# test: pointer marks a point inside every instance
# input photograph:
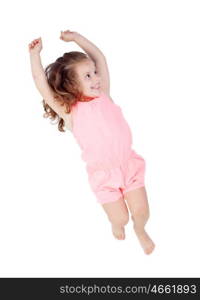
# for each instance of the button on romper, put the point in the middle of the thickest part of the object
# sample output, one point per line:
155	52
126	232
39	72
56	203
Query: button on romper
105	139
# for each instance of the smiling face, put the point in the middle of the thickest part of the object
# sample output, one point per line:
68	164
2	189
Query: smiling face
88	78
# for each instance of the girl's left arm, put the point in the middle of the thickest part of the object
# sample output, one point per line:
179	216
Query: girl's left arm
94	53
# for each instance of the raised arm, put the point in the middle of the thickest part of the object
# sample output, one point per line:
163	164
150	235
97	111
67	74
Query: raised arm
94	53
40	80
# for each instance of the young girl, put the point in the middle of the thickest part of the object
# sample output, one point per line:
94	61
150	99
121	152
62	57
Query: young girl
76	89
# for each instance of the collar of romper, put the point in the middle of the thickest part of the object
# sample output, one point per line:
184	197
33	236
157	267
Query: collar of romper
86	98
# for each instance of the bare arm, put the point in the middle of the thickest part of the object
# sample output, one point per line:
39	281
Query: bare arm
42	85
37	69
93	51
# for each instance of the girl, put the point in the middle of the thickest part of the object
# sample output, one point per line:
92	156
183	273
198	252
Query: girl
76	89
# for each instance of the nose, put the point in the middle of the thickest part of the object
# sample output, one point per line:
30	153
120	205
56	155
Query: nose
97	81
97	75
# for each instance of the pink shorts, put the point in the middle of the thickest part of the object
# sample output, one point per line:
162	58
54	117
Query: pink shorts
110	184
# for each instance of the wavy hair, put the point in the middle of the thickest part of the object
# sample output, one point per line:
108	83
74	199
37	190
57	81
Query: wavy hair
63	81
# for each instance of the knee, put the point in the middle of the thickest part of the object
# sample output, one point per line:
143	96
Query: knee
120	220
142	212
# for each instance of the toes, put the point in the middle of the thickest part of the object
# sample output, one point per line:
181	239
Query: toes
119	236
149	249
118	232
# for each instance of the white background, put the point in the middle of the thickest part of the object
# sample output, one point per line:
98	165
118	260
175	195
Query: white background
51	224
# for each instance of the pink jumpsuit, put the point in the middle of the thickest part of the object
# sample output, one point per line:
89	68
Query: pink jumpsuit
105	139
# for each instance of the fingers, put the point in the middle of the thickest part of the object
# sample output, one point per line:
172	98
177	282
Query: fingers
66	35
35	41
66	31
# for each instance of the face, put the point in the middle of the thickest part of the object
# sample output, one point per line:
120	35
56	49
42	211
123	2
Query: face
88	78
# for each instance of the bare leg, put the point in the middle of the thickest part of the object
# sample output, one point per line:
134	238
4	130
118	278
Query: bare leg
138	205
118	215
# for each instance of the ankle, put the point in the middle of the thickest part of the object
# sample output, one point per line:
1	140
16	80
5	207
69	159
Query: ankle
139	229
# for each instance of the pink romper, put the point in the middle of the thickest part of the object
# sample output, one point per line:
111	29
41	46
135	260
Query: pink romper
105	139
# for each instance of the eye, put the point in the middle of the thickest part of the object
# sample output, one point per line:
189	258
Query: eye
88	75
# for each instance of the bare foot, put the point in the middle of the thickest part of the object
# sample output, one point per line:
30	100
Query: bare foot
145	241
118	232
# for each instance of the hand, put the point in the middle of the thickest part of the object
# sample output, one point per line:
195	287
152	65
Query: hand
35	46
68	36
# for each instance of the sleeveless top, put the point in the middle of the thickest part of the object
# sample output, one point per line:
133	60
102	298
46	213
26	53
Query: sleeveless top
101	131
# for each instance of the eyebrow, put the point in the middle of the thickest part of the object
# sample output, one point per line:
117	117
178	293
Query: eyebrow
89	71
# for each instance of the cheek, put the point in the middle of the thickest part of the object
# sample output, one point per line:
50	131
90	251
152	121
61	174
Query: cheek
89	85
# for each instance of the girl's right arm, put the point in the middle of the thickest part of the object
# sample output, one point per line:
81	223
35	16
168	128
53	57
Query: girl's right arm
40	79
